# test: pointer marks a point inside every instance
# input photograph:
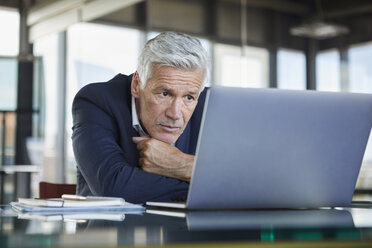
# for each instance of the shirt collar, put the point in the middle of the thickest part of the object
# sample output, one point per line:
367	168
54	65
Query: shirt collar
135	122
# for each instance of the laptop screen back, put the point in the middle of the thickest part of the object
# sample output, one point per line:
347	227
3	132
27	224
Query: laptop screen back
269	148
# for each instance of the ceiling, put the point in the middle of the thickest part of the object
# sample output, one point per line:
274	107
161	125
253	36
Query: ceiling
304	8
45	15
313	8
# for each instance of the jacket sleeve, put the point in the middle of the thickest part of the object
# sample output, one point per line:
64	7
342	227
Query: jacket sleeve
104	165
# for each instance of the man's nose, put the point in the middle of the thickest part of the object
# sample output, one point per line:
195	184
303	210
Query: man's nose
174	110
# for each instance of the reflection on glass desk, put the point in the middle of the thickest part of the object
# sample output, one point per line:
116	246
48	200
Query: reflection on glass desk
294	228
234	220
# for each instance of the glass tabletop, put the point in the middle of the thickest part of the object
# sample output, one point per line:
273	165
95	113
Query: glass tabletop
343	226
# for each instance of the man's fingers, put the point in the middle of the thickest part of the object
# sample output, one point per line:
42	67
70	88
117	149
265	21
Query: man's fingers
141	162
142	153
143	144
145	164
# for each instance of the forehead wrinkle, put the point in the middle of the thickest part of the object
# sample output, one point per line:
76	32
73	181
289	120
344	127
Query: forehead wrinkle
171	83
174	78
182	80
192	89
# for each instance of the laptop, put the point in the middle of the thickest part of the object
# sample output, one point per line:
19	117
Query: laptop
271	148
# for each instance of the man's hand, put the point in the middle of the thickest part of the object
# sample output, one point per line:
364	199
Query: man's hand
163	159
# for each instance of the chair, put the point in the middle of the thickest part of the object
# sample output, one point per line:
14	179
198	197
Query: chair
55	190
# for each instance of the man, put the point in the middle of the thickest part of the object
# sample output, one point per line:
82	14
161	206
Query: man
135	136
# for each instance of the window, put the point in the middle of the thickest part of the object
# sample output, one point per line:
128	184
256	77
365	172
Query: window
9	40
328	71
360	68
329	79
47	49
96	53
360	81
8	83
239	67
9	30
291	69
8	102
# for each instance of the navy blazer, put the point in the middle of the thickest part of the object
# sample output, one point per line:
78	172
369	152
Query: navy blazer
107	158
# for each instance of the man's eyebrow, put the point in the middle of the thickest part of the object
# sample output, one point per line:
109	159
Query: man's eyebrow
165	88
161	87
193	93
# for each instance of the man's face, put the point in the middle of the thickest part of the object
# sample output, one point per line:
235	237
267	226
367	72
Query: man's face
167	102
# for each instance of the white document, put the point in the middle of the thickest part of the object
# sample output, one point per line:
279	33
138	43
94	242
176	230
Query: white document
73	201
126	208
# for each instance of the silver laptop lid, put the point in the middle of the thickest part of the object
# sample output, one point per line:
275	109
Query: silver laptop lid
269	148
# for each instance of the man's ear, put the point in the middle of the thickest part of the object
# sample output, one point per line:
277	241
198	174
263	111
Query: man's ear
136	85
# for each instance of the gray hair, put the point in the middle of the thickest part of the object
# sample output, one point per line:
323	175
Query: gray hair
175	50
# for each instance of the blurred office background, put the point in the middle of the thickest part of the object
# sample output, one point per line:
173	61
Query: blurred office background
49	49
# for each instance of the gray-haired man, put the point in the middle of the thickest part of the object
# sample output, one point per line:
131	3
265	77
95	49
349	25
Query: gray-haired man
135	136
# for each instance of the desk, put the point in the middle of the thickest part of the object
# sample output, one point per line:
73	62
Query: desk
280	228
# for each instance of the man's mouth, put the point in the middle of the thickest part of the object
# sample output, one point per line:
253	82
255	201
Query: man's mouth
170	129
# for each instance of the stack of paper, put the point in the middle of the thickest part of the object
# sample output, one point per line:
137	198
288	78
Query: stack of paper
77	216
72	203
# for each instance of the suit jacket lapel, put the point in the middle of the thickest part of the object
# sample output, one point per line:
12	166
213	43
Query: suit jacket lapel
183	141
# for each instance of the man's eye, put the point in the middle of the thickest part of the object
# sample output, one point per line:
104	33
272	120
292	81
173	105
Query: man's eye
164	93
189	98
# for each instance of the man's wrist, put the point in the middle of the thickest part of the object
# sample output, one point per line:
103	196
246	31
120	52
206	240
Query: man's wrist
188	165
